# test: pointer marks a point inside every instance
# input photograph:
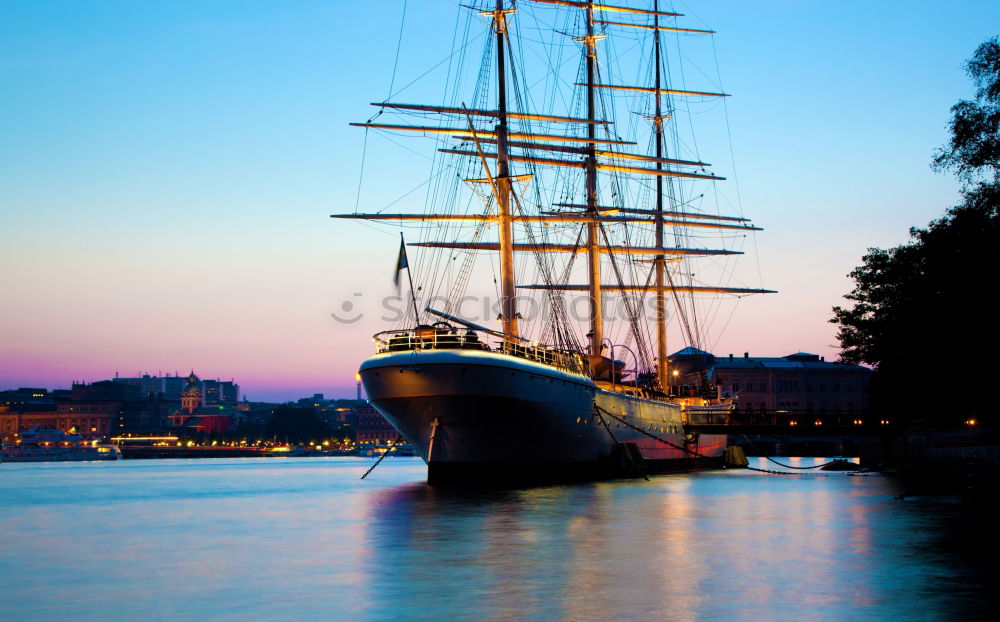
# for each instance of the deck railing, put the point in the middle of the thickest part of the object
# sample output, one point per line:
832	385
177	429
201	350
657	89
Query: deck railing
461	339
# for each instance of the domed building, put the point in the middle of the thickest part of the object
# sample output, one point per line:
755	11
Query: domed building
192	397
194	416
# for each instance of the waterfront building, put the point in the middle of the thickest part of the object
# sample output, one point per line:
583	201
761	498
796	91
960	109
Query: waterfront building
213	392
94	411
137	405
372	427
168	386
192	396
219	392
800	382
316	401
195	416
91	420
26	395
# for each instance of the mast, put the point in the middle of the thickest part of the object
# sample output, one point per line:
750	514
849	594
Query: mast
662	371
508	287
593	250
572	149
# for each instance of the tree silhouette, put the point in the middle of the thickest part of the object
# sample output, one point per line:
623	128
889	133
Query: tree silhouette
296	425
922	313
973	152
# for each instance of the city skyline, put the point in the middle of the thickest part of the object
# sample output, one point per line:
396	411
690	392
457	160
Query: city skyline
167	174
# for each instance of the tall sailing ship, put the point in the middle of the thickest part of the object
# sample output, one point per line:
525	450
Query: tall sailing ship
553	396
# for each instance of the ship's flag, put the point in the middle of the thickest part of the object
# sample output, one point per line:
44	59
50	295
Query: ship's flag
401	261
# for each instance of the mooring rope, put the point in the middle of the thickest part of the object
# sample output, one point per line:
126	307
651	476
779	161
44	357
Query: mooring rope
631	459
700	455
787	466
650	434
379	461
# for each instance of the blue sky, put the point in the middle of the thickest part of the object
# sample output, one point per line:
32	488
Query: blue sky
167	169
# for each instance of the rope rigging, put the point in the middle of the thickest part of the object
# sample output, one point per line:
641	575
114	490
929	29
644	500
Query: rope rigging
599	411
438	269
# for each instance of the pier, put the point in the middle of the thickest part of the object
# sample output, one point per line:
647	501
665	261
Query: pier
150	452
801	423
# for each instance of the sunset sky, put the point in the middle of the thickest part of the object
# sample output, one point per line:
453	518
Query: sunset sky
167	170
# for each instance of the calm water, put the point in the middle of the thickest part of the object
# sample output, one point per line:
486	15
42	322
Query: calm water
286	539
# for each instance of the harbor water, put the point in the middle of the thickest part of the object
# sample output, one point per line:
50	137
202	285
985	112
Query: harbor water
305	538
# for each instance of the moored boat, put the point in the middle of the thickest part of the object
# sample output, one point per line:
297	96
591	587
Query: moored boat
38	444
483	404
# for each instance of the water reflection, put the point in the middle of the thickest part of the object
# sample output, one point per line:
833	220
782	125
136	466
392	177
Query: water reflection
687	547
281	539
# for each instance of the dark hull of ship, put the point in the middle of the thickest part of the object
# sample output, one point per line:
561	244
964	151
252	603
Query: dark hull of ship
489	418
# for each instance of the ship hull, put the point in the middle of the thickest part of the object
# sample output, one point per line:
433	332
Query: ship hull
485	417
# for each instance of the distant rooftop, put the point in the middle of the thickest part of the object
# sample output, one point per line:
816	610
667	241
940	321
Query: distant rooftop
692	354
797	360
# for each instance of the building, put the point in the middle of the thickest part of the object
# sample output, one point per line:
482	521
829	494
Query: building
192	397
372	427
800	382
220	392
342	413
168	386
316	401
196	416
26	395
138	405
97	410
91	420
213	392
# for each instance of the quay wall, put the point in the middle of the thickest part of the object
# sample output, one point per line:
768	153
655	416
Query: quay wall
936	461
